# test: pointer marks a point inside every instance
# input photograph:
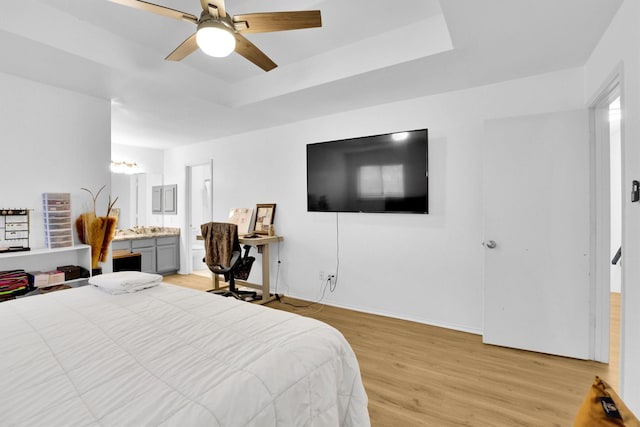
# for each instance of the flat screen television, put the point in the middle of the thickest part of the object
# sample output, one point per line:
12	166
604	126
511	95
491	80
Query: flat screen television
378	173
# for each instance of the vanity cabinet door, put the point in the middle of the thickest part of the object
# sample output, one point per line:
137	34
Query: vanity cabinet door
168	254
147	248
156	199
167	257
169	199
148	261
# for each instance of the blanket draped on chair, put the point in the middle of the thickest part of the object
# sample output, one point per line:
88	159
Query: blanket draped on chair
219	242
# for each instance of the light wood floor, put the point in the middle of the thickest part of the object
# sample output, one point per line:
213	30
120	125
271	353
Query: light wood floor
420	375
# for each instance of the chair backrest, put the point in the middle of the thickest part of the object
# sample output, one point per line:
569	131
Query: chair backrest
220	241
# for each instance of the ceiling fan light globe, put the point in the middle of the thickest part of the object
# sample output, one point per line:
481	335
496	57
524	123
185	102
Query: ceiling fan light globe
215	41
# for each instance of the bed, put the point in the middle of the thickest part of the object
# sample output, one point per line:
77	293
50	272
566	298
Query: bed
168	355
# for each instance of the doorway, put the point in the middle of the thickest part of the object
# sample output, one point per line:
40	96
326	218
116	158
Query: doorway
615	268
615	159
199	211
608	221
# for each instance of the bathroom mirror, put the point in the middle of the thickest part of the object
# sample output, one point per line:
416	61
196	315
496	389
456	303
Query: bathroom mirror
134	194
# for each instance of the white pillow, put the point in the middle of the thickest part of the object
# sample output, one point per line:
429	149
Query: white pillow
125	281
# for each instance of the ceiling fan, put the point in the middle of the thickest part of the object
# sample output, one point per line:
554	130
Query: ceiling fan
218	33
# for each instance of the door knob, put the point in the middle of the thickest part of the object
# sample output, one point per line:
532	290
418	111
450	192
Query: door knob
490	244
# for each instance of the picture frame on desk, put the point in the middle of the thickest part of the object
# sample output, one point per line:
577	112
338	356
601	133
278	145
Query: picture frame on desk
265	212
242	218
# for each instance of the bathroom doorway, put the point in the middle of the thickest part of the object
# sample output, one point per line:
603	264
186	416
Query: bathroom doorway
200	211
607	208
615	273
616	194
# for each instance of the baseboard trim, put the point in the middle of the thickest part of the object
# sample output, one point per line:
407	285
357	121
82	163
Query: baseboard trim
394	315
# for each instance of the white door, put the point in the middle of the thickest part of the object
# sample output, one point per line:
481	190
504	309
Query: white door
536	233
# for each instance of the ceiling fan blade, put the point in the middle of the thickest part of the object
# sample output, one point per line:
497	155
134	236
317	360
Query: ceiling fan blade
277	21
247	49
160	10
218	4
185	49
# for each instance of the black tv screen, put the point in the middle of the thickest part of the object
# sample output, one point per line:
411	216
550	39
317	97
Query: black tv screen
379	173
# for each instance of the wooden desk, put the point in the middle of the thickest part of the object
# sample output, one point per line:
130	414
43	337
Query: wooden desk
262	245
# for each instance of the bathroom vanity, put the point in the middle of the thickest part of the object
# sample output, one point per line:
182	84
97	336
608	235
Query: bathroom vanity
159	247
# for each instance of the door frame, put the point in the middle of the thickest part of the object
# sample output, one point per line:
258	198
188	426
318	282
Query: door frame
189	208
600	184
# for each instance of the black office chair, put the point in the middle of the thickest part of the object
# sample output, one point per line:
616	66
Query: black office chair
223	256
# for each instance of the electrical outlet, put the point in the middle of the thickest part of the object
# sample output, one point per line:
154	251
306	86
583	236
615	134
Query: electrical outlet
331	278
321	275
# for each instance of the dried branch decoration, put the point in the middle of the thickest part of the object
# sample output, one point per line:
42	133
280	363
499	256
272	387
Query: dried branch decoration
95	198
97	231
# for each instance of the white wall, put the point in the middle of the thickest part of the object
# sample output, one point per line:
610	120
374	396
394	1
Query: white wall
426	268
619	48
53	140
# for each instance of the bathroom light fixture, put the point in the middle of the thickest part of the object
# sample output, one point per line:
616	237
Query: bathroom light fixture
128	168
215	37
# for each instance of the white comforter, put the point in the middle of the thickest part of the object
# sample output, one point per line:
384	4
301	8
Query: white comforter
171	356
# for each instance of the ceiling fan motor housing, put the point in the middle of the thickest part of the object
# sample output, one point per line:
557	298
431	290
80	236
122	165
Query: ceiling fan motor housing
215	35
